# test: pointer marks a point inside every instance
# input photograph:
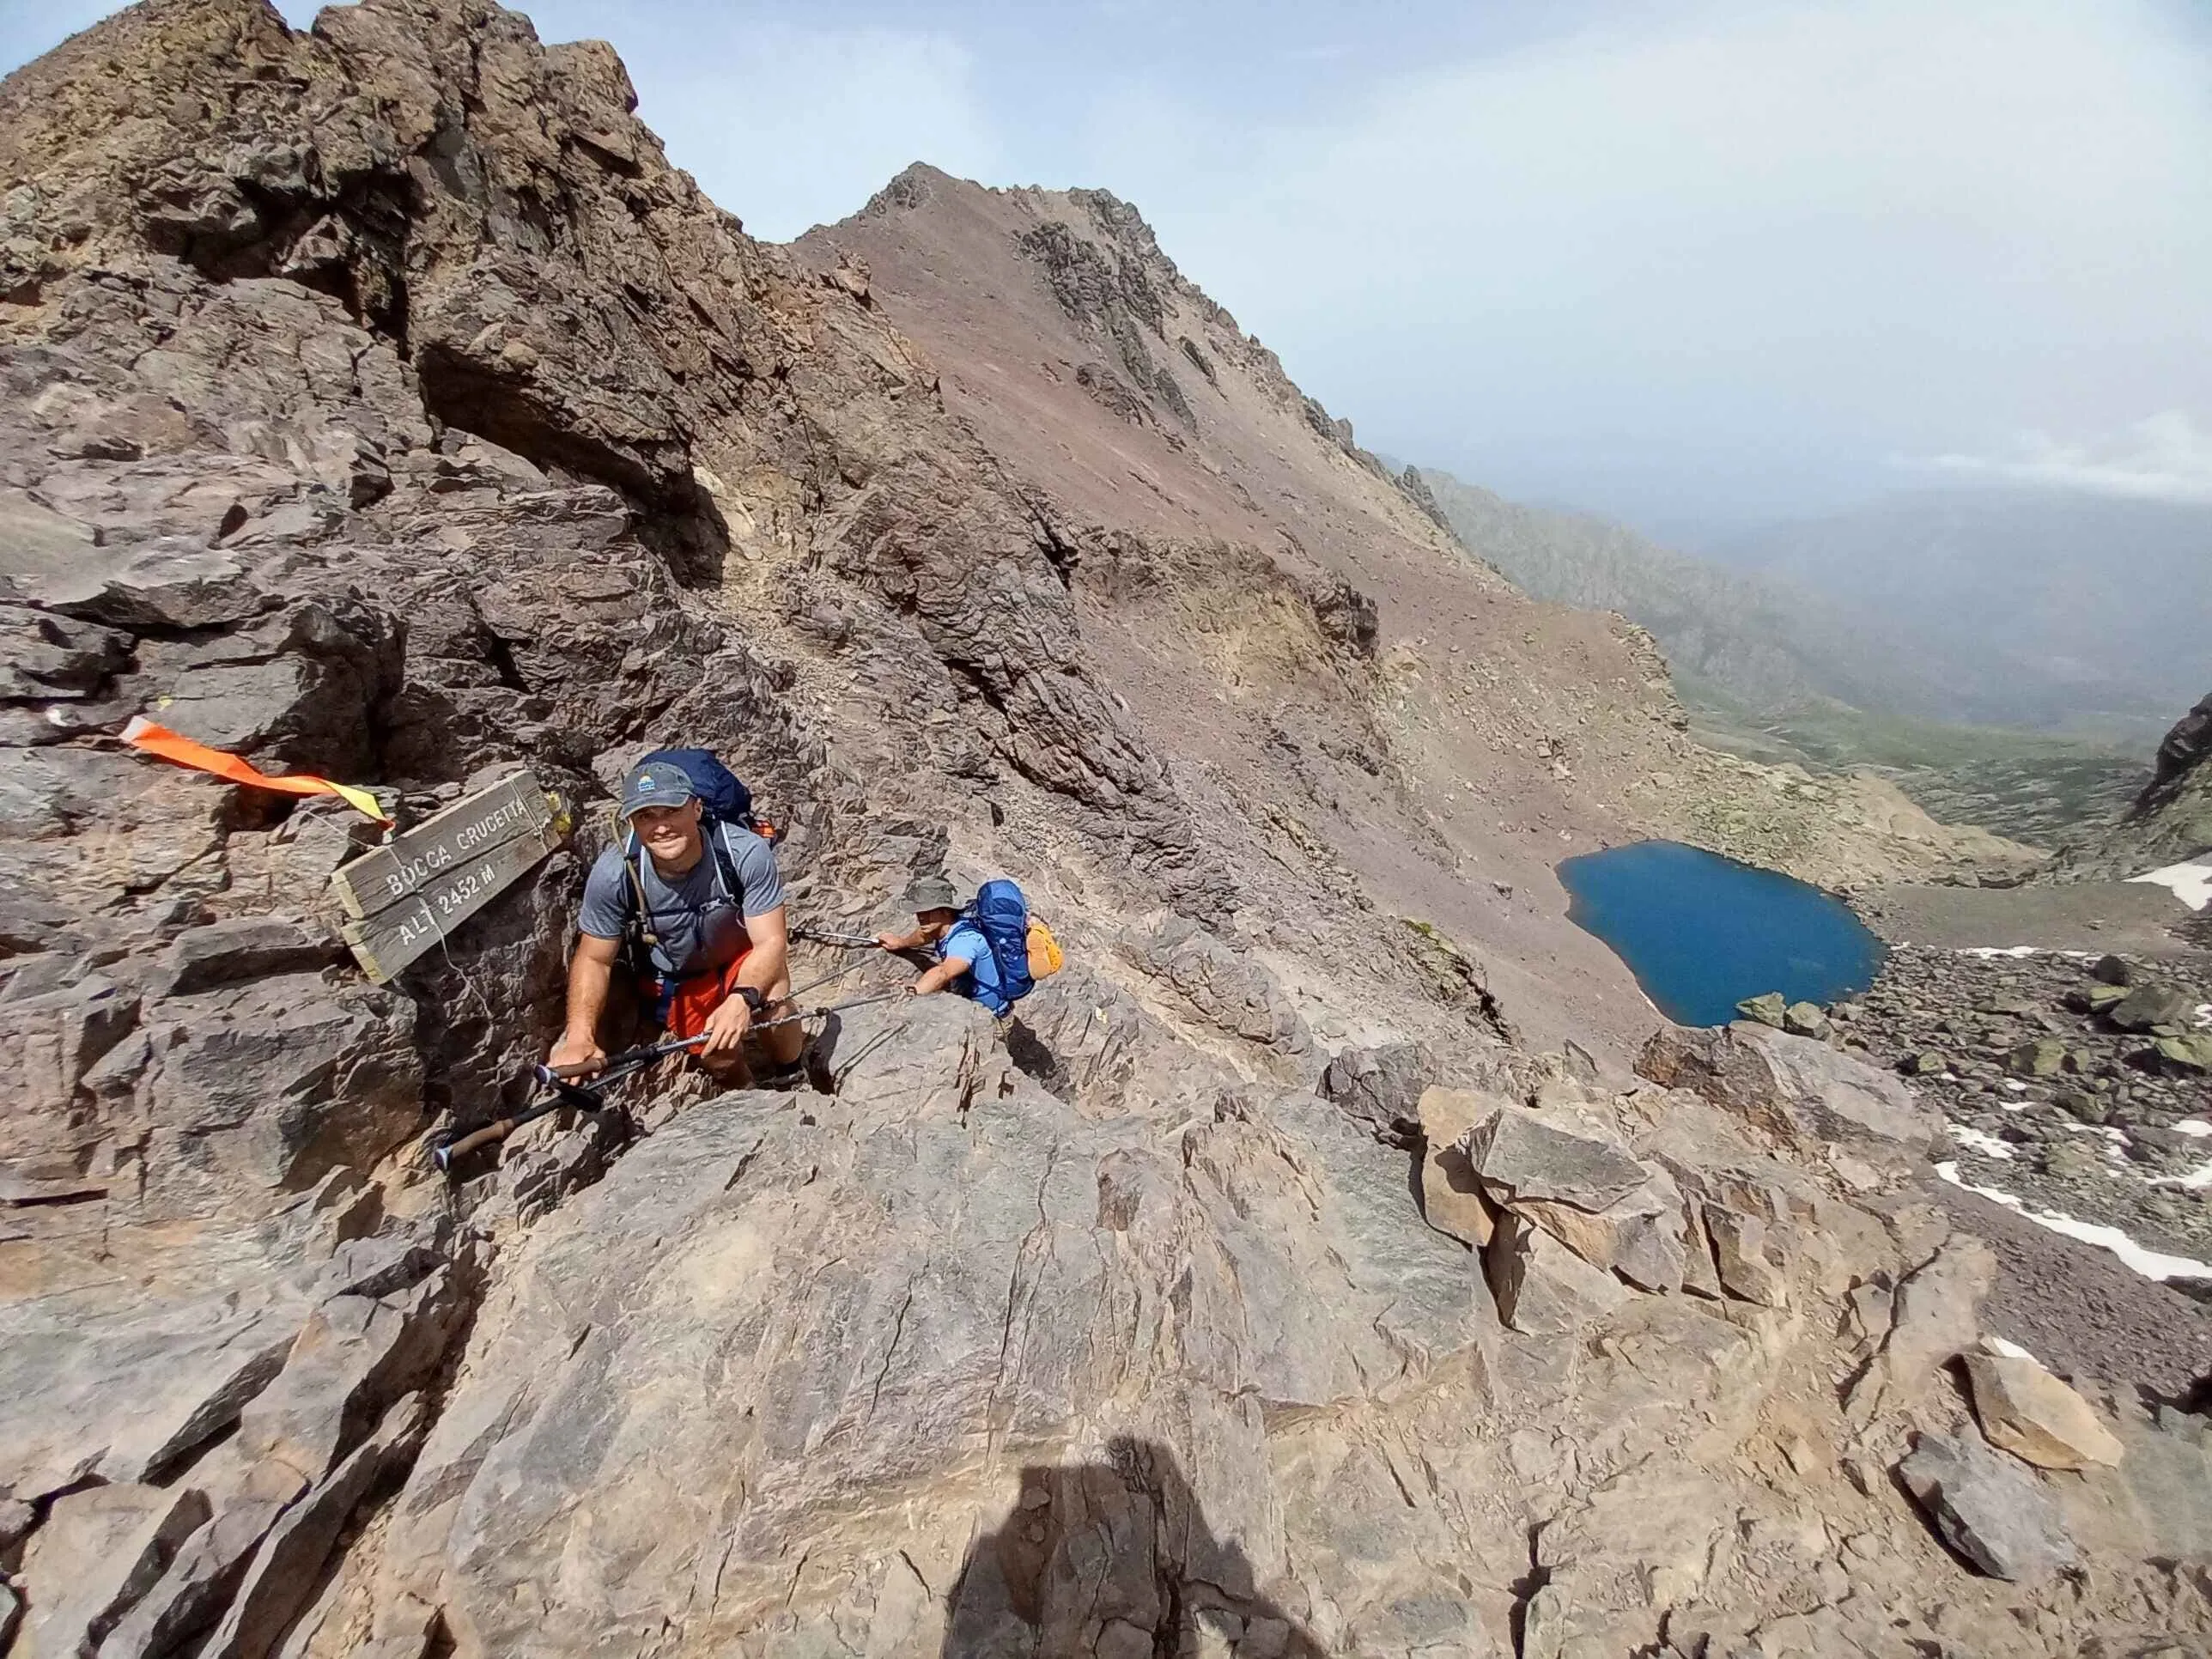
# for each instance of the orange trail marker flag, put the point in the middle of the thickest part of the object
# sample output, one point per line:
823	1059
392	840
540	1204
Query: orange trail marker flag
142	734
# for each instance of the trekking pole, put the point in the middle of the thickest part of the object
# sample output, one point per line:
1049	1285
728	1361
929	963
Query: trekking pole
834	1008
622	1064
817	984
618	1067
825	936
586	1097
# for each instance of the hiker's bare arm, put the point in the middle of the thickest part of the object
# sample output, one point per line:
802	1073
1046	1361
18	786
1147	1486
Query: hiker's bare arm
766	966
591	970
897	942
940	976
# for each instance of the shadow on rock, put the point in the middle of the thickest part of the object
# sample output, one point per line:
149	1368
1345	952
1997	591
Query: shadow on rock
1114	1558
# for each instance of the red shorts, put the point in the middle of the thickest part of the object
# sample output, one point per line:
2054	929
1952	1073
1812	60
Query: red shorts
684	1004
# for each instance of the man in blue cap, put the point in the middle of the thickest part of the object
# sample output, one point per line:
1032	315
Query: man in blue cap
710	920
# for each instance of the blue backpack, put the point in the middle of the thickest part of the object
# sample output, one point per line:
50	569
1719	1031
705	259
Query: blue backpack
726	800
1001	915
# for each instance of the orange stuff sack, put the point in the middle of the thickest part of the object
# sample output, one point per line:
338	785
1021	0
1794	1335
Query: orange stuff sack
1045	959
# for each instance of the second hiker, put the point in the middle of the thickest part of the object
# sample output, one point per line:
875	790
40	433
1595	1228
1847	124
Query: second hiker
965	961
701	900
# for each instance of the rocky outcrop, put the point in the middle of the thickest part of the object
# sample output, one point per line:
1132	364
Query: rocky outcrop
2170	821
381	404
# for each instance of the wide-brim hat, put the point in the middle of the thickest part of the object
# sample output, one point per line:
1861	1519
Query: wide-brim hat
655	783
931	893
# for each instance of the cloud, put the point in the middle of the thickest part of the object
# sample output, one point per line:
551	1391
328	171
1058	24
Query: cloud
787	126
1726	239
2166	458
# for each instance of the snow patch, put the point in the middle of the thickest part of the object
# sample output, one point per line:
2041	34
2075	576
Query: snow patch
1987	1144
2116	1137
2151	1264
2195	1127
2190	883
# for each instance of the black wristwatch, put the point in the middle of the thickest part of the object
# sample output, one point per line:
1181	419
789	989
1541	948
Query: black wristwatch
754	999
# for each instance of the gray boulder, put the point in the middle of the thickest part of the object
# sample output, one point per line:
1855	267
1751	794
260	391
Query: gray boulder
1380	1089
1544	1288
1805	1019
1791	1087
1640	1237
1987	1507
2045	1057
2149	1007
1768	1008
1521	1154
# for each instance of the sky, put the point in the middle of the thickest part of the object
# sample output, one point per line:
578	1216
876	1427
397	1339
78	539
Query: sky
1693	263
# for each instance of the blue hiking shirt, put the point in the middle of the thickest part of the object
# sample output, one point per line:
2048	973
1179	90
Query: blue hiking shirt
981	983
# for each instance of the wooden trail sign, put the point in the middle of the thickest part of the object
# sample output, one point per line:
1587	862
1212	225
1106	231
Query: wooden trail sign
406	896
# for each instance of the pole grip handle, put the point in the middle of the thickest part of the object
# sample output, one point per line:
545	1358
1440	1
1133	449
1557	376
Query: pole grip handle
495	1131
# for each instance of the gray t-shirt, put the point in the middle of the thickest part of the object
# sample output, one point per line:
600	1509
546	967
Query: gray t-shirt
698	922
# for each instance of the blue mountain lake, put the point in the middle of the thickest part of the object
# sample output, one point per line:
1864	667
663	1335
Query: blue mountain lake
1701	933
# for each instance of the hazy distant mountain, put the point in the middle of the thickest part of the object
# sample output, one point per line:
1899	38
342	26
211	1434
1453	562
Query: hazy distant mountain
1912	673
2109	601
1763	645
1920	610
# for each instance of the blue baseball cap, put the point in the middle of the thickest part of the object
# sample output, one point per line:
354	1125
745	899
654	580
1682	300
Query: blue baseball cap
655	783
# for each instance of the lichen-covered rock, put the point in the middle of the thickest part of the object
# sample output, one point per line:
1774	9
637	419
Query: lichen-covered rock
1805	1019
1520	1154
1790	1086
2147	1007
1768	1008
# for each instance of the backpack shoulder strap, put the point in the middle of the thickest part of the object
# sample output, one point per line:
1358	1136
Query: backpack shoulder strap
641	912
725	866
972	920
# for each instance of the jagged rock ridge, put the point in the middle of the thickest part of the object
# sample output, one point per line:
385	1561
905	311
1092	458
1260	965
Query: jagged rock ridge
383	404
2170	822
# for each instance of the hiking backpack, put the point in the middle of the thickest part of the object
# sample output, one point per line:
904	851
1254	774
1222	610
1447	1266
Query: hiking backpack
1022	948
725	801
